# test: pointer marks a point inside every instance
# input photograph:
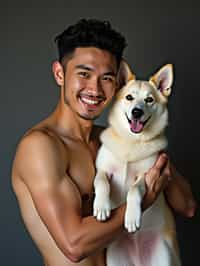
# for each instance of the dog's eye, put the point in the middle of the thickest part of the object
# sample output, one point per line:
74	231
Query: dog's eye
129	97
149	100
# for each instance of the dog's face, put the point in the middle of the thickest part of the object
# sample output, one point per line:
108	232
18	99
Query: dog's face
140	105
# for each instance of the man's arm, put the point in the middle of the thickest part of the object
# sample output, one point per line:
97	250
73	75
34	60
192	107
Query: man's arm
178	192
176	188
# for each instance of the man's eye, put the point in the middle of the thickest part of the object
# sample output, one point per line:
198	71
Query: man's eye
129	97
83	74
107	78
149	100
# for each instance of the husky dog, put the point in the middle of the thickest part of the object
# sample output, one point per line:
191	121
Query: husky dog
130	147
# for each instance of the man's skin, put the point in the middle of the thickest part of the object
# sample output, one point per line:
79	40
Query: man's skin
54	167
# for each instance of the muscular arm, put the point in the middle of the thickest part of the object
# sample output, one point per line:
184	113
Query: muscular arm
179	194
57	199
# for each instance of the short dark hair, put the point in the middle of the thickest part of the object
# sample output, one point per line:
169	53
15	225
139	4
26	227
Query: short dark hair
90	33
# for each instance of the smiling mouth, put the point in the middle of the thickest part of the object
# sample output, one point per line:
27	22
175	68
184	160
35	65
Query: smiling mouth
136	125
91	101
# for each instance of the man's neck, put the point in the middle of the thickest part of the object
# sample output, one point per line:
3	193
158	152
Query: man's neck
69	124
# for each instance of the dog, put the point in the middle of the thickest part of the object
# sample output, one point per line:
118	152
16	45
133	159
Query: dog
130	146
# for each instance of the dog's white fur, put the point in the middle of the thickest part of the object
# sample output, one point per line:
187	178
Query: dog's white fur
129	149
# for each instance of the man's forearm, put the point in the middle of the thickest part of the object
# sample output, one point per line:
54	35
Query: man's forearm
179	194
93	235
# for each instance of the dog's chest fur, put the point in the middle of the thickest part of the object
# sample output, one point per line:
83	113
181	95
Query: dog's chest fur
124	174
125	163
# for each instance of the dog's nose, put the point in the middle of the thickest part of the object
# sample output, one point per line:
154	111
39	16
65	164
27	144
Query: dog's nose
137	113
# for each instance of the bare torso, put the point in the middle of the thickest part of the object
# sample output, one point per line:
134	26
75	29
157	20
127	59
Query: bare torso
81	170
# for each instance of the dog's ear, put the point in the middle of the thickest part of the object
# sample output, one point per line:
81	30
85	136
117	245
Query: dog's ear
163	79
124	74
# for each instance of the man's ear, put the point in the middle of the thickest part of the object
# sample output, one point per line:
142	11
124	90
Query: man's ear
58	73
163	79
124	74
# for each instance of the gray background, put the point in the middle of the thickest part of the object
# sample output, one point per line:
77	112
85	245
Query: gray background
157	34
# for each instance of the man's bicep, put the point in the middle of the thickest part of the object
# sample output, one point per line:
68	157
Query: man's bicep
58	206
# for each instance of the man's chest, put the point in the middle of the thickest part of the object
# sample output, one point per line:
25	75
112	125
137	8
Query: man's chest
81	169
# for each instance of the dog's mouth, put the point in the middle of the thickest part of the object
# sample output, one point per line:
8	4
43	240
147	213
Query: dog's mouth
136	125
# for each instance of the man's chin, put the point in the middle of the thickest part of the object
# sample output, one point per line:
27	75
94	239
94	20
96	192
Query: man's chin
89	116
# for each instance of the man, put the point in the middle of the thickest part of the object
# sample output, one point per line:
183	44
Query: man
54	167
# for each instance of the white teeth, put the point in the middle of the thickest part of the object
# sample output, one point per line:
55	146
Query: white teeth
89	101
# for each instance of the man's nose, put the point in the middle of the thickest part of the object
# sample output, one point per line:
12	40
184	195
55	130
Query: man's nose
94	86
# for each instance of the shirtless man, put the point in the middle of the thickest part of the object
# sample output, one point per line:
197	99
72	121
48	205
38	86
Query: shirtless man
54	168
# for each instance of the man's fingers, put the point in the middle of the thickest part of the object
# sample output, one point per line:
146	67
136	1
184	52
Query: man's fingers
167	172
157	177
161	162
161	183
153	175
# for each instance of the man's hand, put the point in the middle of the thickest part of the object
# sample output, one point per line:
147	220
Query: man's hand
163	176
156	180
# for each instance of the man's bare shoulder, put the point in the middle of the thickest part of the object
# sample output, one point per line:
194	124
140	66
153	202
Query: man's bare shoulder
40	146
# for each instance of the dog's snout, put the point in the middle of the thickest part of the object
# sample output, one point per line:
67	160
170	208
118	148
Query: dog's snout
137	113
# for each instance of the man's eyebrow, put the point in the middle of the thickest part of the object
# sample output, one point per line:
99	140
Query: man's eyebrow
110	73
85	67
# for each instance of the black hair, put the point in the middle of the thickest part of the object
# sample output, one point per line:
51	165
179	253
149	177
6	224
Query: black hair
90	33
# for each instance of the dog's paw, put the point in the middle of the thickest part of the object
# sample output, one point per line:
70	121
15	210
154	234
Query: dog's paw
102	208
132	218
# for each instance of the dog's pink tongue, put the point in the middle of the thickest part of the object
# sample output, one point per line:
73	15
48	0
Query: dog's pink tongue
136	126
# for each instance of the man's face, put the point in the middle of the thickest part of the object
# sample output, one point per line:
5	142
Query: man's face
89	81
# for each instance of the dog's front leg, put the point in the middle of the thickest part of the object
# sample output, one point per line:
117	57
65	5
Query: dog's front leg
102	206
133	208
